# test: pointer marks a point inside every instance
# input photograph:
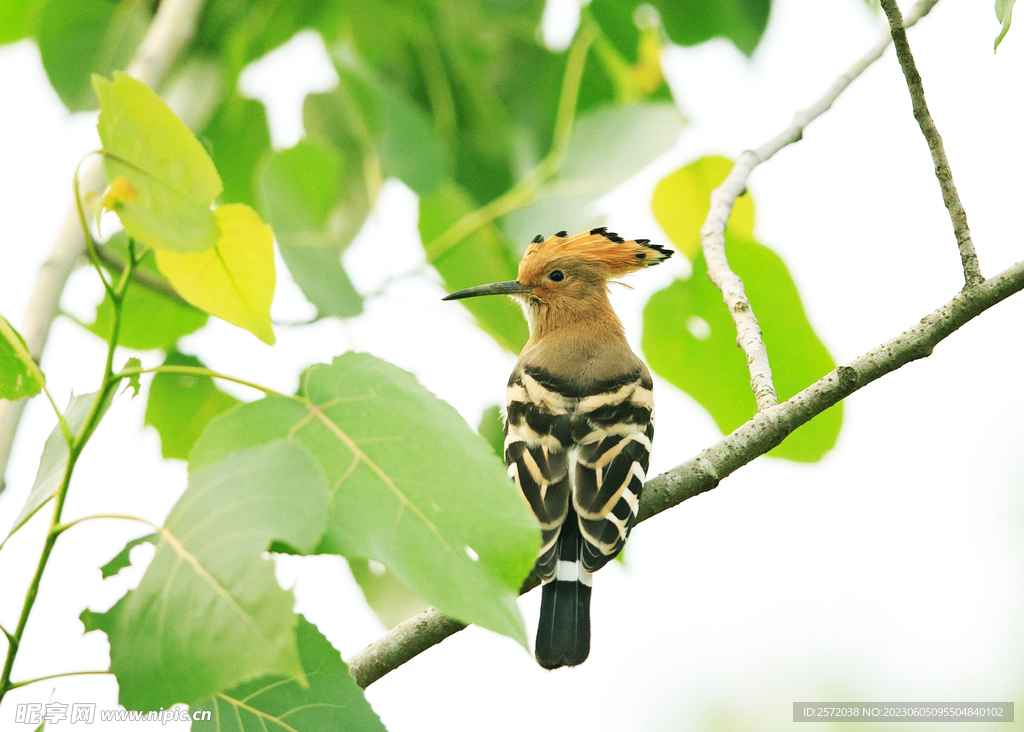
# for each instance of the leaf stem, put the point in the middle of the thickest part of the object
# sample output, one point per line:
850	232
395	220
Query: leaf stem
200	371
61	528
18	684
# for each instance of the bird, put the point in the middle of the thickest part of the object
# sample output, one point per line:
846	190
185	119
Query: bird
579	420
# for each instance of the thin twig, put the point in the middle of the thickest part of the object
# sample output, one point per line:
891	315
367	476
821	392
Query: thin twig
723	198
972	271
764	431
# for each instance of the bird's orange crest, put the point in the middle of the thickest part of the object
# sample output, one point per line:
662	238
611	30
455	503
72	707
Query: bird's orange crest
604	251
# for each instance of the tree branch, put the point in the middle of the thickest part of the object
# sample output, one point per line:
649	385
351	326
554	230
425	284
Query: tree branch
171	29
773	422
972	271
723	198
765	430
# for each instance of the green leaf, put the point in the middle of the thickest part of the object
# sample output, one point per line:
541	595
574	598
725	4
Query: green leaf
332	701
1004	12
133	379
238	138
299	189
20	376
484	256
386	122
78	39
234	280
413	486
389	597
682	200
180	406
153	150
240	32
690	339
123	559
18	19
149	318
492	429
410	149
54	462
689	22
607	147
208	614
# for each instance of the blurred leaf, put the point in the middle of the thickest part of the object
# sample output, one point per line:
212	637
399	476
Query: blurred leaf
20	376
243	31
384	121
682	200
332	701
390	598
409	148
208	614
607	147
149	318
480	258
689	22
54	461
492	429
180	406
78	39
615	18
1004	12
238	138
122	559
163	161
629	57
19	19
414	486
299	188
235	279
690	339
133	379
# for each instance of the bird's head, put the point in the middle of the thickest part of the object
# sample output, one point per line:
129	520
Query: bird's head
571	273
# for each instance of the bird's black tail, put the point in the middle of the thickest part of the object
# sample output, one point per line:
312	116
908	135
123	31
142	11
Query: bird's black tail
563	636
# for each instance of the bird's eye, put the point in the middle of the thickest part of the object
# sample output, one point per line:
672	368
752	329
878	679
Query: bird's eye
556	276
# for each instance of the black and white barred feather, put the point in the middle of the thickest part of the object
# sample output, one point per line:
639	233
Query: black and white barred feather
579	452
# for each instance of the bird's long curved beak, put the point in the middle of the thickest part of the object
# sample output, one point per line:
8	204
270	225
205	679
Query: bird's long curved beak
497	288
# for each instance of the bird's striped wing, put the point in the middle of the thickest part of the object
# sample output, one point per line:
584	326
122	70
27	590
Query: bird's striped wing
537	436
614	453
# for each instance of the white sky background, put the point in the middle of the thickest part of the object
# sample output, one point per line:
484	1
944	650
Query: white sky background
890	571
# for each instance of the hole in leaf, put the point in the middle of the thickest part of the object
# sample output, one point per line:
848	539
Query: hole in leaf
472	554
376	568
698	328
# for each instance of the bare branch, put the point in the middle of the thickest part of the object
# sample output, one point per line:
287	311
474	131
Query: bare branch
765	430
171	29
723	199
972	271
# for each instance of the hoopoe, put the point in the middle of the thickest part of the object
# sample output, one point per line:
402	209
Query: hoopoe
579	421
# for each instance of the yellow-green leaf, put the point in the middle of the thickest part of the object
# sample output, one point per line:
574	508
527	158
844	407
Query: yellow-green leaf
1004	11
19	375
682	201
145	143
690	340
235	279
